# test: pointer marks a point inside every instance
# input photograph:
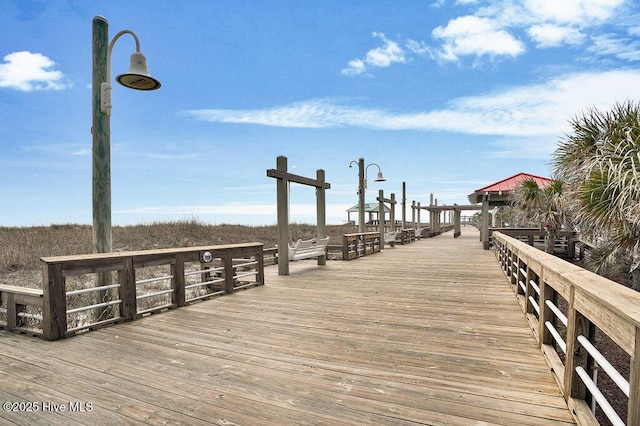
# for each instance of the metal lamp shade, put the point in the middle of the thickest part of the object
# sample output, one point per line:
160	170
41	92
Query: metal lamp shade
138	76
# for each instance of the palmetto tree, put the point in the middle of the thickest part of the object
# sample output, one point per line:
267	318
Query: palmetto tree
600	162
544	205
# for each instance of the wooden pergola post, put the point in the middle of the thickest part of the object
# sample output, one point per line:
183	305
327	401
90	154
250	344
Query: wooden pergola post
404	204
392	218
392	215
484	230
456	222
321	211
284	177
413	213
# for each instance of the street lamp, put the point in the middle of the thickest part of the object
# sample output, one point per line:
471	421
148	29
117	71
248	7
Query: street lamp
137	77
362	187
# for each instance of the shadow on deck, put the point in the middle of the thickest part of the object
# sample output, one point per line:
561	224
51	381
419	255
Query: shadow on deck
427	333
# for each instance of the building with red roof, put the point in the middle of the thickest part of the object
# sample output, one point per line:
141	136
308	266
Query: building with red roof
496	195
498	192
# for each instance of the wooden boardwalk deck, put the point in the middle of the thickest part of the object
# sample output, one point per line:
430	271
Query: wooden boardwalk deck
428	333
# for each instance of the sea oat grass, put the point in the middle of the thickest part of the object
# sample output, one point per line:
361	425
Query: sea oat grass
22	247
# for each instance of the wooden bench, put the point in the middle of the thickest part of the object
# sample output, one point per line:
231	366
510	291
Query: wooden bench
390	237
308	249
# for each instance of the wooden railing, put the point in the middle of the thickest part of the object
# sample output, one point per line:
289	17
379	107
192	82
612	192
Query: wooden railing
20	307
360	245
89	291
406	236
564	305
564	245
433	233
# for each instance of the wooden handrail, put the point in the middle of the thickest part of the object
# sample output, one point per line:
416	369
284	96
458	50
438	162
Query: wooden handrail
565	240
592	301
220	269
17	299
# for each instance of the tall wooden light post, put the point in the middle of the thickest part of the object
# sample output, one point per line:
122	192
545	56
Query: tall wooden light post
137	77
362	187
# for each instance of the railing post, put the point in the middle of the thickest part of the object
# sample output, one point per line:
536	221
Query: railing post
546	293
127	279
12	311
633	411
259	256
513	266
345	247
521	278
54	303
178	281
228	273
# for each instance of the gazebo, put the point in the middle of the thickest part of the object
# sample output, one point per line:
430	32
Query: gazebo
497	195
371	209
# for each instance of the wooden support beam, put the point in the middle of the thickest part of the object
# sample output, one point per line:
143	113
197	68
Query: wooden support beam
321	211
404	204
280	174
283	214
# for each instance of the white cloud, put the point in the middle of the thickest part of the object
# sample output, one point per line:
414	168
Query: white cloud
526	111
550	35
60	149
27	71
390	52
525	148
419	48
471	35
580	12
551	22
489	31
355	67
622	48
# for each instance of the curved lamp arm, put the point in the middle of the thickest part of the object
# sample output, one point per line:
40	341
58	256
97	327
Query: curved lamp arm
113	42
379	177
137	77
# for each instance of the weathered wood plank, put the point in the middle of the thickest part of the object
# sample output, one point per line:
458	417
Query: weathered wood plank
428	333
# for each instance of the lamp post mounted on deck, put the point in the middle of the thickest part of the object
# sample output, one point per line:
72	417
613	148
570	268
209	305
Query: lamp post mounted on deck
362	187
137	77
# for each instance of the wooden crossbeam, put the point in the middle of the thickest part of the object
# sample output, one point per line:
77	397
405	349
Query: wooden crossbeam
278	174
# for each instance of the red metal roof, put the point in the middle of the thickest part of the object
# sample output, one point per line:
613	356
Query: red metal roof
511	182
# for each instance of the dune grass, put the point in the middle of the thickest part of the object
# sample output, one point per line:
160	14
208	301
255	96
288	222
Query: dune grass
22	247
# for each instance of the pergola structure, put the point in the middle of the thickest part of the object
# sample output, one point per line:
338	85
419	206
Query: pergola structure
497	195
283	179
372	209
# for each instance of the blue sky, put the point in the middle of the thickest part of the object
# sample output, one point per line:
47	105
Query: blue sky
445	95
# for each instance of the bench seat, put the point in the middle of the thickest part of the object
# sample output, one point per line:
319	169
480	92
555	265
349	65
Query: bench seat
308	249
